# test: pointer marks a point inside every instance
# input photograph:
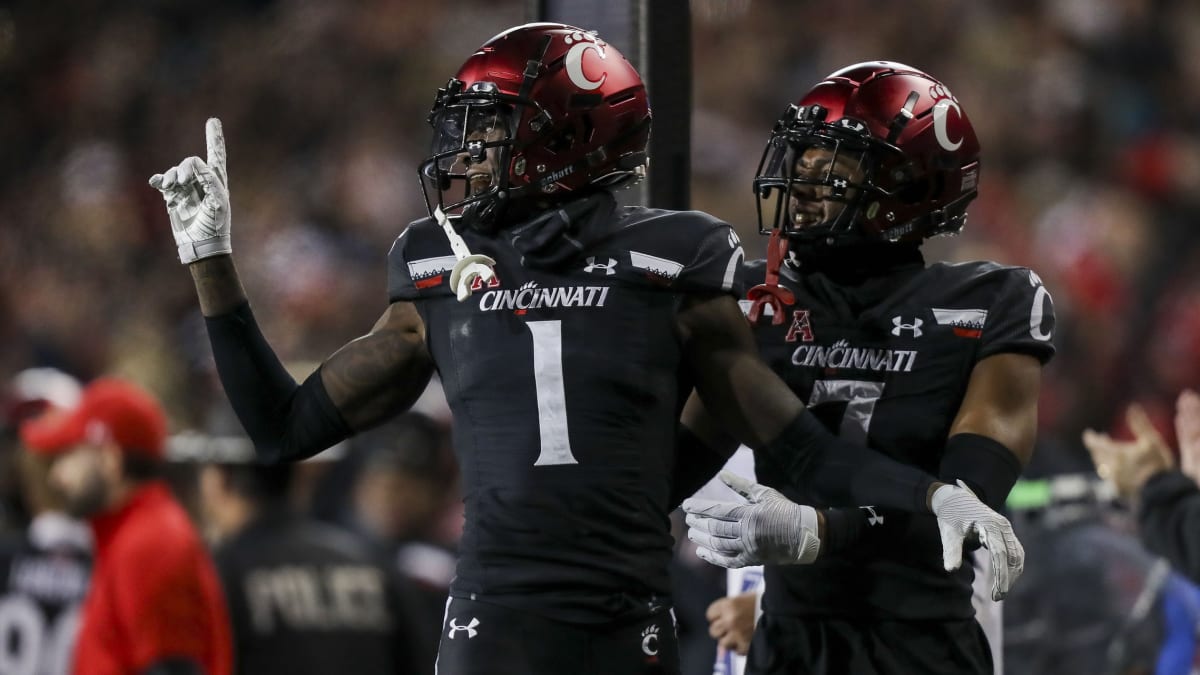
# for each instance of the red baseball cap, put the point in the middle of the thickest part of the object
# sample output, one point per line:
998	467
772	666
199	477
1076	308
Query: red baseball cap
110	409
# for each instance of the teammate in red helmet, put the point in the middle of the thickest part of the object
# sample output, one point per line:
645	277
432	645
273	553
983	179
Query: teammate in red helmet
937	366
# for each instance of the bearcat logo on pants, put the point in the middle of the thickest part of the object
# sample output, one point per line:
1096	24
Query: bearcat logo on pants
529	296
650	640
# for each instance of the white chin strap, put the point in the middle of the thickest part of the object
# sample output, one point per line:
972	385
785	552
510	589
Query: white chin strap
470	266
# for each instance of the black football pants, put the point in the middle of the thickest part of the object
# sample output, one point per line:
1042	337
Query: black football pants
480	638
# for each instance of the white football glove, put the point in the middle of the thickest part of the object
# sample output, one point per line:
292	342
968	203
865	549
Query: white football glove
766	529
959	513
197	196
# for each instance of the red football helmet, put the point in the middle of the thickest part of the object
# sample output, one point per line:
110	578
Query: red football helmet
553	107
896	149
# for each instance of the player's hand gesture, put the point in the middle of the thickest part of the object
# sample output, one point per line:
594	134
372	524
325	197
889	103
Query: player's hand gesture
765	529
1129	464
960	514
197	196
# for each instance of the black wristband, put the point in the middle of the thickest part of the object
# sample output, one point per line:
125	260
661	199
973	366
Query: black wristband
984	464
841	473
843	528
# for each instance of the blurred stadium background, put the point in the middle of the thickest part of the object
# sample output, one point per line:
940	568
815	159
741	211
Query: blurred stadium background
1088	112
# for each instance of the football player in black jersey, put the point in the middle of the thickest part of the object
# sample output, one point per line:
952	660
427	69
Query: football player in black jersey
937	366
567	332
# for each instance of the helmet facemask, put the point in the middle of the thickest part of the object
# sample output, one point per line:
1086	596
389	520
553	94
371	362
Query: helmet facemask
468	170
814	177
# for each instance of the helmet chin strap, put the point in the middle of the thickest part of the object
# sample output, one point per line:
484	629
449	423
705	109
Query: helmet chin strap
770	292
470	266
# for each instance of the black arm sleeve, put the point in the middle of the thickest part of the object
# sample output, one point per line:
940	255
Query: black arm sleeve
695	465
1169	520
174	666
285	422
842	473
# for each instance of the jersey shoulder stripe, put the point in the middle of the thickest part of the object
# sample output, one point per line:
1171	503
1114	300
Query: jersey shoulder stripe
688	251
420	262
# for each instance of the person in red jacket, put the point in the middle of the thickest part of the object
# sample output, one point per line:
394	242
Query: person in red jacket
155	606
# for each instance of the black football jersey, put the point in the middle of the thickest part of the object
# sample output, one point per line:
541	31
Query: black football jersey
43	580
305	597
565	387
887	363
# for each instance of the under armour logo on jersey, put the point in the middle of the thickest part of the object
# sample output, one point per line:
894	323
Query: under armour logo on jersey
899	324
841	183
592	266
874	518
650	640
470	628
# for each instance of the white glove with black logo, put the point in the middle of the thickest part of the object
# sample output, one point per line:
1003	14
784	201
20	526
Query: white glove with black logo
766	529
197	196
960	513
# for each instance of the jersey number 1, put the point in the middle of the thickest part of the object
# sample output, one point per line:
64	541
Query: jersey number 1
551	395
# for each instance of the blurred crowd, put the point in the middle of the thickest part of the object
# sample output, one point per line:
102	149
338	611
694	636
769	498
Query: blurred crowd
1088	112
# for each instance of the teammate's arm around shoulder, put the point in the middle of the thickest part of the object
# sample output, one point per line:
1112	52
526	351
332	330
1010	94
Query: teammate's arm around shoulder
363	383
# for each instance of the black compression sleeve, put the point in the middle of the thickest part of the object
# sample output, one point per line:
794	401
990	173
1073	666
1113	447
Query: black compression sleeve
695	465
285	422
843	473
984	464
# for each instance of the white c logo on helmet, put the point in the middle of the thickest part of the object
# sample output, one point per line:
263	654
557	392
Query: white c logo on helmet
939	124
574	64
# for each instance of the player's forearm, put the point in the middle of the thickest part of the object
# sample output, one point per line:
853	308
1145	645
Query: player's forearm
217	285
843	473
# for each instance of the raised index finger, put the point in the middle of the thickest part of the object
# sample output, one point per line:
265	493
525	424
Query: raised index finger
215	137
